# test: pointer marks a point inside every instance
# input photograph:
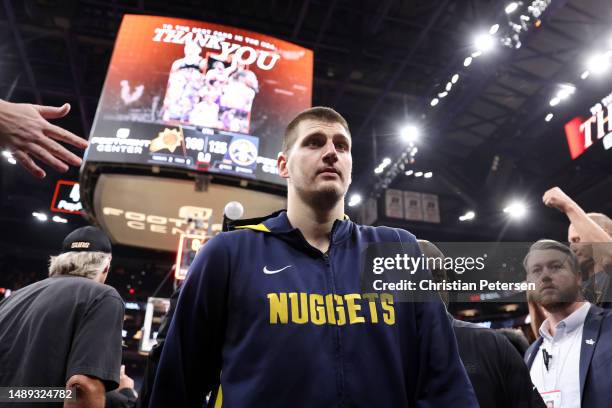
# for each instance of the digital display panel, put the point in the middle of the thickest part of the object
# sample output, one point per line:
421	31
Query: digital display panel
199	96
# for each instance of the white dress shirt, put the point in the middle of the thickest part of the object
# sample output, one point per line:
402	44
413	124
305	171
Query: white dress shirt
563	368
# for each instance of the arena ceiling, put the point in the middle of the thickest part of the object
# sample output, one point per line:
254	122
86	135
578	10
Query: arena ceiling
379	63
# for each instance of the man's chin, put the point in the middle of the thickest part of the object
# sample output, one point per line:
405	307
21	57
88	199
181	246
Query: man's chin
326	195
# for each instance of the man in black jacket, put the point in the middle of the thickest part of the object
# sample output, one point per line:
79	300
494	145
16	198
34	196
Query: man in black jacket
497	371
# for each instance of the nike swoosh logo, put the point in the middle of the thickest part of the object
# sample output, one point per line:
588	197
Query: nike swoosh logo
271	272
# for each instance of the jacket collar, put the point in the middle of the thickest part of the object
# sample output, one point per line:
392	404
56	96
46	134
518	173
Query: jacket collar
590	336
278	223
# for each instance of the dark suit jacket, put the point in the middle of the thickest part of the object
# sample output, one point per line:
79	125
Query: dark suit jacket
497	371
595	358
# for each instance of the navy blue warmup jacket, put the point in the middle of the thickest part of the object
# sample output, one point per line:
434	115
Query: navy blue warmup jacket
266	320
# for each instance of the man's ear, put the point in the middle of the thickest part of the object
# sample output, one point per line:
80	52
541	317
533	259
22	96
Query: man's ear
281	163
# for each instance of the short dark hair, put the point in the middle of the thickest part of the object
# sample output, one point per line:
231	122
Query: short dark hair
320	113
545	244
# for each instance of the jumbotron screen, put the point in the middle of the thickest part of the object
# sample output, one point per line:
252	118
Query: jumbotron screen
199	96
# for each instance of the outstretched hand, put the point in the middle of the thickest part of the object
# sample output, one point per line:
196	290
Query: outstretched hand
26	133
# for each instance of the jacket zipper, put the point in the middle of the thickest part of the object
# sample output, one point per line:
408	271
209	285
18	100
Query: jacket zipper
337	334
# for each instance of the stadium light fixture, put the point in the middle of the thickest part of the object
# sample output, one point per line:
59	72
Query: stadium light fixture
467	61
511	7
434	102
468	216
598	63
42	217
516	210
60	220
354	200
410	133
548	117
484	43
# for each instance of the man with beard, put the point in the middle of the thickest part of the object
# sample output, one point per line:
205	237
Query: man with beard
570	362
590	237
274	315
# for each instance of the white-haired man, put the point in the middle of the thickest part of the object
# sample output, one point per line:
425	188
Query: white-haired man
65	331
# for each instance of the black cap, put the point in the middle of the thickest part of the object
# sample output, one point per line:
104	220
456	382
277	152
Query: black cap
86	239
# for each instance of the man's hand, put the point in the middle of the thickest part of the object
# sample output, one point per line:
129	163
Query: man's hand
124	380
556	198
26	133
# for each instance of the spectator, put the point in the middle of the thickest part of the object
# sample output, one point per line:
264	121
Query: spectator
497	372
569	363
65	331
25	132
590	237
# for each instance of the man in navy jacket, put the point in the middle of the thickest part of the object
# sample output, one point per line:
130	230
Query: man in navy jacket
573	356
275	315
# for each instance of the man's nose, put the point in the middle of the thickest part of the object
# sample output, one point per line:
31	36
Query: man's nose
330	154
546	276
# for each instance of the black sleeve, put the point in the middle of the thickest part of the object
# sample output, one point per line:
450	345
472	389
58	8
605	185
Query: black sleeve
96	345
123	398
520	392
190	362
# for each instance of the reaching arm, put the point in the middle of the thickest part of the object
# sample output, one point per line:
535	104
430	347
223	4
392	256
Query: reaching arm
588	229
26	133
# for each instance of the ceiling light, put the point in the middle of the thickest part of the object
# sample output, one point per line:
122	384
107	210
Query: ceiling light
442	94
58	219
511	8
386	161
467	61
40	216
409	133
597	64
476	54
418	174
448	86
493	29
516	210
548	117
409	172
585	75
378	170
434	102
455	78
566	91
354	200
11	160
484	43
429	174
555	101
468	216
